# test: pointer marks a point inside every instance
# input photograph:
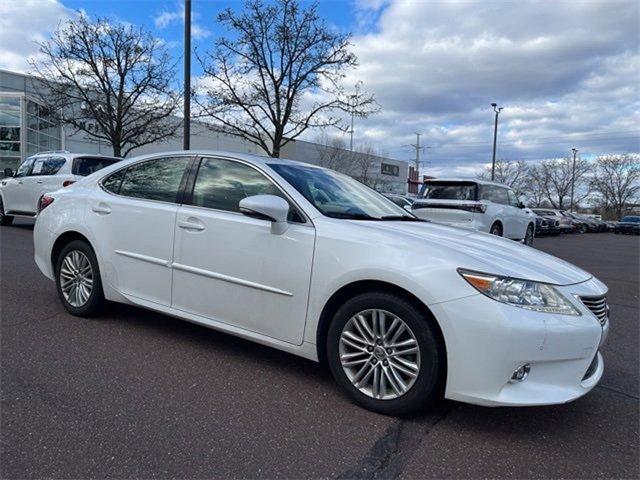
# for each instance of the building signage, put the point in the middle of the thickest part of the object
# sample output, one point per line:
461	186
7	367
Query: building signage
388	169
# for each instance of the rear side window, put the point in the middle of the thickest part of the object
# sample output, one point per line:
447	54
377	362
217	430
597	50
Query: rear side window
84	166
449	191
495	194
157	179
47	166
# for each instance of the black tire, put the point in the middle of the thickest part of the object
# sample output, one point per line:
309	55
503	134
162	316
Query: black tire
583	229
5	220
428	383
496	229
528	237
96	301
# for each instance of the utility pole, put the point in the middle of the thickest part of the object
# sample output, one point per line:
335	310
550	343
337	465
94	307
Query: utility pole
495	139
573	176
354	98
418	148
187	75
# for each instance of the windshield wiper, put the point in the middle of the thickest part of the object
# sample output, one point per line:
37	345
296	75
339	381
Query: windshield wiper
352	216
402	218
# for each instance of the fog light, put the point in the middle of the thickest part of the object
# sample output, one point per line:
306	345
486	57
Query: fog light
520	374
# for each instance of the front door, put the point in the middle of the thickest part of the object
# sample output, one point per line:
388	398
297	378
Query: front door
229	267
15	190
133	217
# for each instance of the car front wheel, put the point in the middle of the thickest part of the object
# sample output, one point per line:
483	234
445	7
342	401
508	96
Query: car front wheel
496	229
78	279
5	220
384	352
528	237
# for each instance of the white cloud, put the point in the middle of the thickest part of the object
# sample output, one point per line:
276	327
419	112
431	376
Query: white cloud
167	18
23	24
563	70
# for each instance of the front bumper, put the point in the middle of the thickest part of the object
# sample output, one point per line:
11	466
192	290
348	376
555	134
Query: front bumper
487	341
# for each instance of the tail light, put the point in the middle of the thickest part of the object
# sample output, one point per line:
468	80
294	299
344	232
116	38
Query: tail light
45	201
66	183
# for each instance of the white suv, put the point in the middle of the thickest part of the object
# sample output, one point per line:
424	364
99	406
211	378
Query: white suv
20	193
485	206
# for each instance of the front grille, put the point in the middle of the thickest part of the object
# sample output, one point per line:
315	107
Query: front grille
598	306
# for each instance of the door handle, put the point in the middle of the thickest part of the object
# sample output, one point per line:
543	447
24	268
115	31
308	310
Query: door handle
39	181
190	225
101	209
19	182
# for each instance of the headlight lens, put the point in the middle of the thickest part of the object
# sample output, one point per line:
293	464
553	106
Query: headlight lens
540	297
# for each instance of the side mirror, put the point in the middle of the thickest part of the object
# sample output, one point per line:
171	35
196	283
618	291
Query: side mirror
407	208
8	172
267	207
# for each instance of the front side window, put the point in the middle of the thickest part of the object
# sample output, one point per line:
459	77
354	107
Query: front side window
339	196
495	194
222	184
25	168
157	179
47	166
513	198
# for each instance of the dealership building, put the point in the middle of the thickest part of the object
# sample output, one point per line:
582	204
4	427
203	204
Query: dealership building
27	128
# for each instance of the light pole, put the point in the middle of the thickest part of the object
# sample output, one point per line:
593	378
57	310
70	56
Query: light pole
495	138
573	175
187	75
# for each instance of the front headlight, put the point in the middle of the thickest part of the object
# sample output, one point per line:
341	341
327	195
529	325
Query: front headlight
540	297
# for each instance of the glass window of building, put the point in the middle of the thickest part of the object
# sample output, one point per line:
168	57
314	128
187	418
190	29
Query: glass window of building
10	116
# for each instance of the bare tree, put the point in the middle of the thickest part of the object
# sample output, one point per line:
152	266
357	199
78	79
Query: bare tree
536	187
554	177
617	179
278	73
509	172
111	81
333	154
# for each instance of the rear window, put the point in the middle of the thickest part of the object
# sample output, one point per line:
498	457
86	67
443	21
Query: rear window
449	191
84	166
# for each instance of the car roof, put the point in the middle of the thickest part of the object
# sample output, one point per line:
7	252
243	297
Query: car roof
247	157
468	180
71	156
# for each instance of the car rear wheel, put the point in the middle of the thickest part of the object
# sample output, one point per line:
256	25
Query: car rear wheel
5	220
496	229
78	280
528	237
385	354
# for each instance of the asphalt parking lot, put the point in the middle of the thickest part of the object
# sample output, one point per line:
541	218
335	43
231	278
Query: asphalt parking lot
136	394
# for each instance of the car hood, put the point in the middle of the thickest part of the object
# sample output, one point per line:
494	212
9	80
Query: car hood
487	253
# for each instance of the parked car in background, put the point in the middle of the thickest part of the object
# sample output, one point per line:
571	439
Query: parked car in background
565	224
611	225
546	225
593	225
580	224
400	309
20	192
401	200
628	225
485	206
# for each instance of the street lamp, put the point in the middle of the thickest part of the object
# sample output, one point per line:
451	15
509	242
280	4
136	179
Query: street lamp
186	140
573	175
495	138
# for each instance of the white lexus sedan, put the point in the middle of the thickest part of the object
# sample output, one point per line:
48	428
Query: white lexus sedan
314	263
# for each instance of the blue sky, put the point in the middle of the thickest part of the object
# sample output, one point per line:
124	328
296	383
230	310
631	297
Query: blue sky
566	71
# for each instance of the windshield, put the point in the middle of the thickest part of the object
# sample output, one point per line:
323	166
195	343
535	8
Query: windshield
339	196
448	191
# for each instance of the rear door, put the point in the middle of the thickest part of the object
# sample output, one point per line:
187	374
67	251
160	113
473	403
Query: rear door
133	216
45	177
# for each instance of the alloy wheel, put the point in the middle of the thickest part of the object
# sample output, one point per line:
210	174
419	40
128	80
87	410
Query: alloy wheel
76	278
528	239
379	354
